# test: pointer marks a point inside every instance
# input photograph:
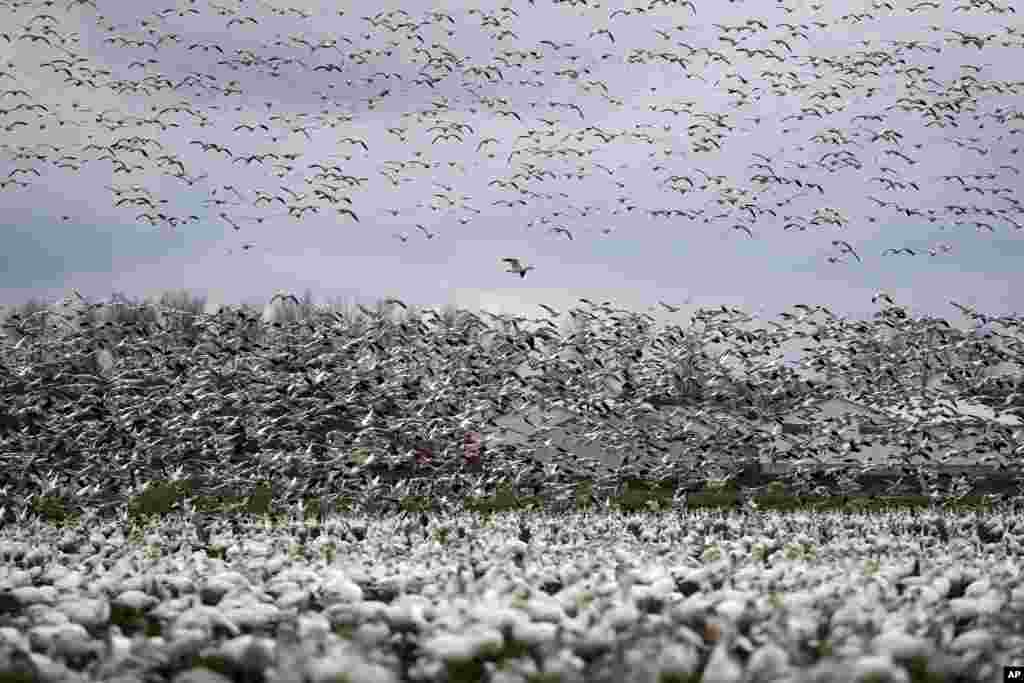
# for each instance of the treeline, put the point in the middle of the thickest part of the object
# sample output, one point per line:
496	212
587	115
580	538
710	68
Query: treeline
928	349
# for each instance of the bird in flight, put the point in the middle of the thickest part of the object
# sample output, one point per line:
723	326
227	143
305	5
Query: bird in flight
882	296
285	297
516	266
517	115
356	141
744	228
846	248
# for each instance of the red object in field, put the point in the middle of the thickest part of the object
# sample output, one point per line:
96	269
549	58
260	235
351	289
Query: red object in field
423	456
472	449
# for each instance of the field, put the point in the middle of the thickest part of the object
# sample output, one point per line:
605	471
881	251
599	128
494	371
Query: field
239	519
701	481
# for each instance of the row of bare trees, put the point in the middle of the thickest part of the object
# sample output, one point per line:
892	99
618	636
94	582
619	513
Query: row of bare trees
180	312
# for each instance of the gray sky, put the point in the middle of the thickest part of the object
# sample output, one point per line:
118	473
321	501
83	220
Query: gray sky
100	248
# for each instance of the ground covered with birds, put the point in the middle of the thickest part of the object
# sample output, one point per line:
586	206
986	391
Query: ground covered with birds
597	494
598	596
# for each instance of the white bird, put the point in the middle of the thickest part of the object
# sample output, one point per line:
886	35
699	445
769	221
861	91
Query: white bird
883	297
430	235
285	297
846	248
368	420
516	266
722	666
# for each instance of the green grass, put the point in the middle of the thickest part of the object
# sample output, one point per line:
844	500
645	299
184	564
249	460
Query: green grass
637	496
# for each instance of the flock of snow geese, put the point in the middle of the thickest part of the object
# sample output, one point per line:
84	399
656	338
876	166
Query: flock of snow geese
521	101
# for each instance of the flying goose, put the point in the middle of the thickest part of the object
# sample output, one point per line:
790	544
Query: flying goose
516	266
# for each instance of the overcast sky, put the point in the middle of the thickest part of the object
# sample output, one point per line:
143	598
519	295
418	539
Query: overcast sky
64	231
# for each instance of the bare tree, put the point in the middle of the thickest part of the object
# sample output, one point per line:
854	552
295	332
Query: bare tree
180	311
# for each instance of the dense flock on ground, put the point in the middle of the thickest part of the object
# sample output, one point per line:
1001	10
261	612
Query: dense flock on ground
587	598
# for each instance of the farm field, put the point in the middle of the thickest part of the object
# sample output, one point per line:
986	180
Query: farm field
375	553
696	354
697	595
